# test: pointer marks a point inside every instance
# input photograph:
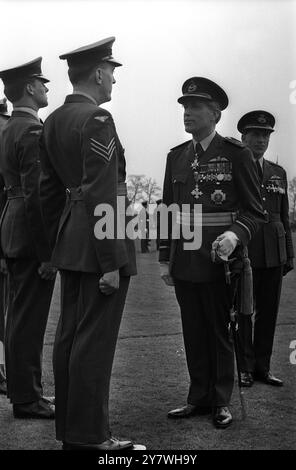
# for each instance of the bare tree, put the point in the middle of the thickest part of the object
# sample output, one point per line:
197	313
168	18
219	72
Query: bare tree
135	185
141	187
152	190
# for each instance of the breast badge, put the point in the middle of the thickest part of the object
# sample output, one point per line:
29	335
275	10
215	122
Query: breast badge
218	197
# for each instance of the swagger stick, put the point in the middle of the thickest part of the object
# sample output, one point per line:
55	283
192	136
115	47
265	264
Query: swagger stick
233	323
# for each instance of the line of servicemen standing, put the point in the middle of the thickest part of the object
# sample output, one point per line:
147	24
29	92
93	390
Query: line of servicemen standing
54	176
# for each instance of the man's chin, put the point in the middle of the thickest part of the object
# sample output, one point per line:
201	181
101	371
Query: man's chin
189	129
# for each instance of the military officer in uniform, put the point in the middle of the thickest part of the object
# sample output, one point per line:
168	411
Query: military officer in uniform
83	158
3	271
24	242
220	174
271	253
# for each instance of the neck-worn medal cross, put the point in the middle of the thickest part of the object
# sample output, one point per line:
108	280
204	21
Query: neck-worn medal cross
195	166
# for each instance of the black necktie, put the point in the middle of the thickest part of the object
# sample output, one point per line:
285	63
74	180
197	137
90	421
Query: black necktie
198	150
259	170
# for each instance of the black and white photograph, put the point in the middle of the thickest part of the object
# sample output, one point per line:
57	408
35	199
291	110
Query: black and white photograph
147	228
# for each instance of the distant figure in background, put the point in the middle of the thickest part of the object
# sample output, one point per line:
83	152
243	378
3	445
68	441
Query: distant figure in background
3	386
270	251
156	220
145	240
24	242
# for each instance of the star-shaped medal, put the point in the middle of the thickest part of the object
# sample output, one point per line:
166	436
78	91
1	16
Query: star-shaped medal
195	164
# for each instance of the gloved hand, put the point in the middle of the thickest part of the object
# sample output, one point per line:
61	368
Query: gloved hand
47	271
165	275
225	244
109	282
288	266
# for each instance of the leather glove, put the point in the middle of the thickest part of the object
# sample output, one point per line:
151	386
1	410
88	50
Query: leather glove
225	244
288	266
165	275
109	282
47	271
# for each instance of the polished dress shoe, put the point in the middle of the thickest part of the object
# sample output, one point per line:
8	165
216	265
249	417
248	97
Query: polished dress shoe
40	409
106	446
247	379
189	410
222	417
268	378
3	387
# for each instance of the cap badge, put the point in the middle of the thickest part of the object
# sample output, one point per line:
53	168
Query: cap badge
261	119
192	87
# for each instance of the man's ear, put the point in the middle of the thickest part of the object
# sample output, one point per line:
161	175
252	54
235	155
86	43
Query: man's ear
243	138
29	89
98	76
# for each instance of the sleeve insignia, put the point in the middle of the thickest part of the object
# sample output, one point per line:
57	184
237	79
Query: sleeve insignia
103	151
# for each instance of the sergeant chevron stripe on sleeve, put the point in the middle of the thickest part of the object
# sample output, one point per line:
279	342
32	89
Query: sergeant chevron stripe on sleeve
103	151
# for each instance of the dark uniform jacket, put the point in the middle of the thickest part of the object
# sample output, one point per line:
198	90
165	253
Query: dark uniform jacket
228	181
272	244
81	150
3	197
22	230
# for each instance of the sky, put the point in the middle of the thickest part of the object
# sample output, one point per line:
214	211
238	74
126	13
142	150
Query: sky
247	47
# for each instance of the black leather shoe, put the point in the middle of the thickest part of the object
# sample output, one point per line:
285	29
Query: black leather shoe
247	379
268	378
189	410
222	417
106	446
40	409
3	387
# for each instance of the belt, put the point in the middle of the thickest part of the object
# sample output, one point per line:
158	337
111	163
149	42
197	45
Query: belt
75	194
14	192
206	219
272	217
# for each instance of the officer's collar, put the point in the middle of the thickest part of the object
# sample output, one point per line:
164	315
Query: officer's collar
25	109
206	141
81	93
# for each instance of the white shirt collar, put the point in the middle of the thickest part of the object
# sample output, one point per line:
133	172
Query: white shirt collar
25	109
206	141
86	95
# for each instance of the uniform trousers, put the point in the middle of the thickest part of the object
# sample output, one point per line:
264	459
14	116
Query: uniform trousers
83	356
256	343
27	315
2	323
209	351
